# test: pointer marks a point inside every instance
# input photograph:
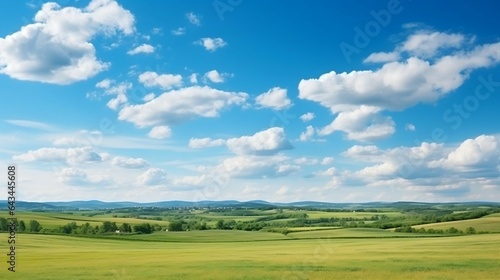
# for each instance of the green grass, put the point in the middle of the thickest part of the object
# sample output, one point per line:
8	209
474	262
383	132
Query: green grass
357	215
352	233
309	228
46	257
490	223
56	219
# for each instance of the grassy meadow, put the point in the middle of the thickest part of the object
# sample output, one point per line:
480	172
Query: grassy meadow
65	257
290	245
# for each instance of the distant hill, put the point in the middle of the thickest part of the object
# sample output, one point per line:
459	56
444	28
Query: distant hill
96	204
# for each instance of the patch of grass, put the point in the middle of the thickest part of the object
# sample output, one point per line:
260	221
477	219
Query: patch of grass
64	257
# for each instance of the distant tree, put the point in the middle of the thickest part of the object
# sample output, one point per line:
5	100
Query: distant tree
220	224
4	225
452	230
35	226
86	229
470	230
125	227
108	226
143	228
22	226
175	226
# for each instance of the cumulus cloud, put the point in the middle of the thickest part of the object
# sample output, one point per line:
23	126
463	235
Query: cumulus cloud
327	160
78	177
257	167
482	152
427	44
148	97
144	48
197	143
130	162
274	98
211	44
307	117
363	124
421	75
308	134
193	78
160	132
119	91
164	81
56	48
382	57
181	105
152	176
430	169
215	77
265	142
70	155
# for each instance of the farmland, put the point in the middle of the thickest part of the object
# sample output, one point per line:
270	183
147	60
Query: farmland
274	243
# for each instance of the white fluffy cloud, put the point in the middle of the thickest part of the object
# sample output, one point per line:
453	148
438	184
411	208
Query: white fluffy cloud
308	134
211	44
274	98
307	117
257	167
152	176
478	153
78	177
56	48
144	48
160	132
126	162
362	124
382	57
164	81
215	77
265	142
430	170
427	44
197	143
180	105
70	155
327	160
359	97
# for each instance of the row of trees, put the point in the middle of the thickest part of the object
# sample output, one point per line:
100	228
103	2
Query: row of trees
73	228
451	230
33	226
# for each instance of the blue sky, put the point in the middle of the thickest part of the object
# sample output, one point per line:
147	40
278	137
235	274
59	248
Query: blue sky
335	101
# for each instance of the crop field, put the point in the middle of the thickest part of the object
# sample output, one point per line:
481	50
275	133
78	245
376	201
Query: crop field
63	257
245	243
55	219
490	223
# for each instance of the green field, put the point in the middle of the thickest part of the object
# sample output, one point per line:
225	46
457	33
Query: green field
490	223
63	257
56	219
